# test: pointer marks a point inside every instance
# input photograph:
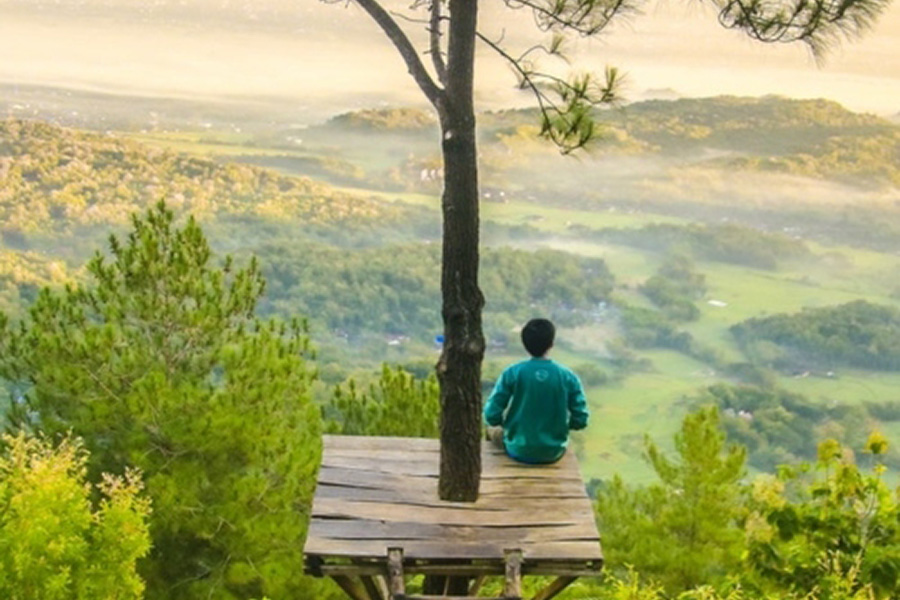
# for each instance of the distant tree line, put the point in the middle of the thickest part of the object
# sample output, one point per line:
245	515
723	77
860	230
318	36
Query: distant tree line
778	427
858	334
394	289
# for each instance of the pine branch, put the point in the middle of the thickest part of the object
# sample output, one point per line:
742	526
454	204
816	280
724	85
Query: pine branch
820	24
569	124
584	17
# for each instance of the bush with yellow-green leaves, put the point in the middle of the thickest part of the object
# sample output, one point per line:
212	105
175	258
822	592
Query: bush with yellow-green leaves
62	538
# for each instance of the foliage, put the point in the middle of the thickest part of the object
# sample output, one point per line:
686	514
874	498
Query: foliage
829	529
647	328
54	179
157	362
683	530
675	287
23	274
397	404
858	333
815	138
591	375
396	289
56	543
390	119
779	427
769	125
853	158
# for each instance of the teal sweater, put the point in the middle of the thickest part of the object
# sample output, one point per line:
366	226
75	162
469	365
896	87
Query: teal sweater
537	402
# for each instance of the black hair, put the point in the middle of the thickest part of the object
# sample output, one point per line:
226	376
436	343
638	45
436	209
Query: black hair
537	336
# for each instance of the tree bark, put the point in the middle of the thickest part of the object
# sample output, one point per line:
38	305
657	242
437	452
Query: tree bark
459	368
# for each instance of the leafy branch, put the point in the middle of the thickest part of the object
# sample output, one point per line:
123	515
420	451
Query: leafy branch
584	17
818	23
566	105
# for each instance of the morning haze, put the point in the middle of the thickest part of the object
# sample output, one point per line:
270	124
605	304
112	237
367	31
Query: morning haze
326	58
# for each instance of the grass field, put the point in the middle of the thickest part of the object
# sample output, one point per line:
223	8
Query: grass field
651	404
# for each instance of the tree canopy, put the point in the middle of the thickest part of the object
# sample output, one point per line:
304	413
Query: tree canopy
159	363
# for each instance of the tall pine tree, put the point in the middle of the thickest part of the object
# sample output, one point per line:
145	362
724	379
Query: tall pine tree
158	363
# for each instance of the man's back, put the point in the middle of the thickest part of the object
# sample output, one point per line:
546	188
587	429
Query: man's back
537	401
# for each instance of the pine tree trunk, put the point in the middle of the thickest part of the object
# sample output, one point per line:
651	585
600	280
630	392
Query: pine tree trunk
459	368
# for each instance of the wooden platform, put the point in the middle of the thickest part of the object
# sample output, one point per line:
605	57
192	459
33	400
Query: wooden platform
378	493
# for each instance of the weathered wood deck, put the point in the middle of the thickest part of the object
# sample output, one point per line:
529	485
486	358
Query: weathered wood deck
377	493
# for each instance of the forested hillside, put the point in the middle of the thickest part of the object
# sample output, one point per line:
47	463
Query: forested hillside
54	180
859	334
814	138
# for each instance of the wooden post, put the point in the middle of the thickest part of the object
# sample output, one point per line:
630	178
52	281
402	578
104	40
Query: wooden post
512	588
396	586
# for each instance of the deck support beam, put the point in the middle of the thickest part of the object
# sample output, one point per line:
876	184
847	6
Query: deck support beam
554	588
373	587
351	587
396	585
512	587
476	585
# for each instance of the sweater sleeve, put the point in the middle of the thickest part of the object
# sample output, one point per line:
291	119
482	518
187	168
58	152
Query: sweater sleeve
498	400
578	408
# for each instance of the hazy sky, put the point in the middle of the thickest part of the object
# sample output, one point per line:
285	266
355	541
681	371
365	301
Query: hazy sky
331	54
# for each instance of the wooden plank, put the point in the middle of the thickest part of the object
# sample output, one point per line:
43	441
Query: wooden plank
366	478
373	463
380	530
421	467
404	447
429	494
503	467
484	506
438	550
493	460
525	485
486	568
391	455
490	485
572	512
371	442
350	443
